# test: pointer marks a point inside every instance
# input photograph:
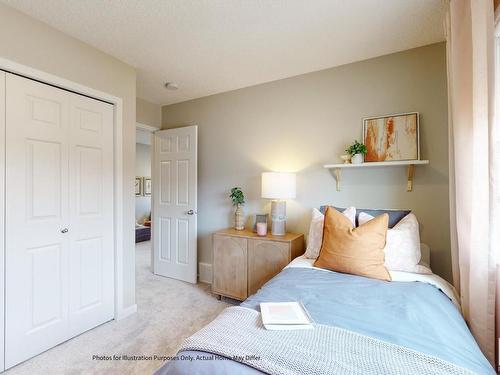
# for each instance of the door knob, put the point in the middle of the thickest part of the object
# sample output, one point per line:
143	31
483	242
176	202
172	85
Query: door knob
64	230
190	212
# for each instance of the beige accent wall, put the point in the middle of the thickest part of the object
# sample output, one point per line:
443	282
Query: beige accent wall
148	113
300	123
37	45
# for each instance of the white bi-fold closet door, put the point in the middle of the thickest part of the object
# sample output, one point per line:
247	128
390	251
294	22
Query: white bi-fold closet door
59	248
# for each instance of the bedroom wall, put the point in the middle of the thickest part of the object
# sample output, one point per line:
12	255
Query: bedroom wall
142	169
300	123
37	45
148	113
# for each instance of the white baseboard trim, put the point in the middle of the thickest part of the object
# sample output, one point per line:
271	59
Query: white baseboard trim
123	313
205	272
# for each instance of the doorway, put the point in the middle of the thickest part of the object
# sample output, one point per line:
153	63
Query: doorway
166	199
143	189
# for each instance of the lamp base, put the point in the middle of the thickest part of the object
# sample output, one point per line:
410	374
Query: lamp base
278	215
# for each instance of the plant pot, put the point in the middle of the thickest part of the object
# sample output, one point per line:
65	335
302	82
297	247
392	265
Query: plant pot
239	219
357	159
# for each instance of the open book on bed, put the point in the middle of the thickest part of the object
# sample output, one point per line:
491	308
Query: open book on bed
285	316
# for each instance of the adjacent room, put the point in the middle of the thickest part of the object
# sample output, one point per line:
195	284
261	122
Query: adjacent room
143	185
249	187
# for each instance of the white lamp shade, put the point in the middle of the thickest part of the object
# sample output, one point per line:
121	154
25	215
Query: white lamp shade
278	185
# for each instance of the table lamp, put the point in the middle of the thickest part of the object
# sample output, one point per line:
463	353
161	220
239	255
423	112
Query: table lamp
278	186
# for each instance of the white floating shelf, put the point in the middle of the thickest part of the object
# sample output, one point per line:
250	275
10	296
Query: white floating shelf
409	163
377	164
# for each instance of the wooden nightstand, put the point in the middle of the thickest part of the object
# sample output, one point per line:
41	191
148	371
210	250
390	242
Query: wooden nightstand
243	261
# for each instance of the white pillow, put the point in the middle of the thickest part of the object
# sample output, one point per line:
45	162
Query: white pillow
402	247
315	238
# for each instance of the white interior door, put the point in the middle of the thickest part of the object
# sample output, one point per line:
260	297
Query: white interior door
2	216
91	213
59	249
175	168
37	287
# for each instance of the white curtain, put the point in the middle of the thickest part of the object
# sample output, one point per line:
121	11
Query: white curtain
474	194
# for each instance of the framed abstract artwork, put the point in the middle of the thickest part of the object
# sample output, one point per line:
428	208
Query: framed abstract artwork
138	186
147	186
392	137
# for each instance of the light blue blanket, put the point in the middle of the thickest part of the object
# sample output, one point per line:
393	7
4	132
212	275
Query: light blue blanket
411	314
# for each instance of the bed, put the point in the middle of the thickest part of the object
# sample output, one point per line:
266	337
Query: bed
421	315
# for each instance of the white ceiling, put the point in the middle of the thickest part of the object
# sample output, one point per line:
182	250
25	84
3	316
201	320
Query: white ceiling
213	46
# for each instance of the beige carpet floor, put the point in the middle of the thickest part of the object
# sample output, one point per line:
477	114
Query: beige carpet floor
168	311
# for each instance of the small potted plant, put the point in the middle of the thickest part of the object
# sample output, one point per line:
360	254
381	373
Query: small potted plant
238	199
357	151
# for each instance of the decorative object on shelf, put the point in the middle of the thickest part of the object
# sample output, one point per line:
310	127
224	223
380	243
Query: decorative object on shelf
409	163
262	229
138	186
357	151
357	159
346	158
147	186
260	218
238	200
278	186
392	137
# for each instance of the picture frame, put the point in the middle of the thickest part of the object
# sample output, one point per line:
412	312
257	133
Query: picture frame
260	218
138	186
393	137
147	186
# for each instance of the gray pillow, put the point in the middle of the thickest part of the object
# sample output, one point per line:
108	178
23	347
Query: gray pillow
394	215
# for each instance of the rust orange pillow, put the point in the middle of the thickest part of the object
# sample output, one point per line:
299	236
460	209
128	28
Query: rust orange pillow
358	251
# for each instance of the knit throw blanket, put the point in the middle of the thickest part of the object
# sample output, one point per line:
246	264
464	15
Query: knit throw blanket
237	333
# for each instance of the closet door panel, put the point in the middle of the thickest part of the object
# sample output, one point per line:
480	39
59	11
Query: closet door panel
59	204
37	257
91	212
2	209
